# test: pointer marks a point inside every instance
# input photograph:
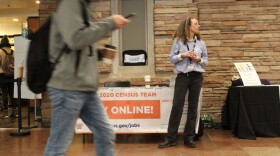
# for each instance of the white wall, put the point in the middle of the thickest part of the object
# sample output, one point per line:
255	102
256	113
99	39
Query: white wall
11	28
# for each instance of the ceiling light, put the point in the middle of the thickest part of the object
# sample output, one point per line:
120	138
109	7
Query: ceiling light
15	19
38	2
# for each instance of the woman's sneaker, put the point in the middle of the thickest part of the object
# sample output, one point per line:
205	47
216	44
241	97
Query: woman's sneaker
13	114
5	114
167	144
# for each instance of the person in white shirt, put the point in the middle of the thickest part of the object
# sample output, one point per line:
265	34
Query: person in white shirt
189	56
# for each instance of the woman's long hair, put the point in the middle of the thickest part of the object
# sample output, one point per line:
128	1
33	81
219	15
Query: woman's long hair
182	31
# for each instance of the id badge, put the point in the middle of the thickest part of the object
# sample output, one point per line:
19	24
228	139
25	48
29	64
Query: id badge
190	67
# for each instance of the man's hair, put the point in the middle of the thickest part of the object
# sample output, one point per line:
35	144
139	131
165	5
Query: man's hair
182	31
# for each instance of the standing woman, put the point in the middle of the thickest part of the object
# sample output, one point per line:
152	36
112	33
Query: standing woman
7	87
189	56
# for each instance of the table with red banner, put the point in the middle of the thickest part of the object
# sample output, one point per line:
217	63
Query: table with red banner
138	109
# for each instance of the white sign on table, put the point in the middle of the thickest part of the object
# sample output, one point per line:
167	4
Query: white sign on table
248	74
138	110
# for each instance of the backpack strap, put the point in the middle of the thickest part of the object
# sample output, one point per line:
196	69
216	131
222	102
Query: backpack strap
59	55
86	22
78	52
5	51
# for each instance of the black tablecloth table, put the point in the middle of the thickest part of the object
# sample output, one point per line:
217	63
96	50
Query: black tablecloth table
252	111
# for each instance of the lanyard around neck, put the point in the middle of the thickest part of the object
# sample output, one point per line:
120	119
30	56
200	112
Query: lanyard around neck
189	48
193	45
